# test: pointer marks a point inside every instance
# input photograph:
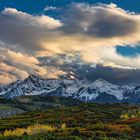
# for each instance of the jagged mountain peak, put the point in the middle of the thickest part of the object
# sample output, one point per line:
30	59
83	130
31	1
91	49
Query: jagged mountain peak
34	85
101	81
76	88
101	86
34	77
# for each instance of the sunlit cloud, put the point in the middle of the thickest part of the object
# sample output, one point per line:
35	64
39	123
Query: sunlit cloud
90	32
20	66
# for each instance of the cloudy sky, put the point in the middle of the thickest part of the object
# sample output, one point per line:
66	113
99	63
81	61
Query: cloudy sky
76	38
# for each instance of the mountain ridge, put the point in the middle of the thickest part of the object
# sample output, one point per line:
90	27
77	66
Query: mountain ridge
80	89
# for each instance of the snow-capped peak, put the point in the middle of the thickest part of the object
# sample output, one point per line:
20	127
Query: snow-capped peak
101	86
101	83
80	89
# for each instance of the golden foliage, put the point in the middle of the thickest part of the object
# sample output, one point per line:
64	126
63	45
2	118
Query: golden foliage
63	126
30	130
120	127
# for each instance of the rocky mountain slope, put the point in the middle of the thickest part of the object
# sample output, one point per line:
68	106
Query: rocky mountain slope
98	91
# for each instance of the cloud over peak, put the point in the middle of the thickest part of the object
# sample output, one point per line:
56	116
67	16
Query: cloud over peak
91	31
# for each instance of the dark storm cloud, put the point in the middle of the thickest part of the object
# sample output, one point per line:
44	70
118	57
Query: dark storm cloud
97	20
92	73
113	75
112	27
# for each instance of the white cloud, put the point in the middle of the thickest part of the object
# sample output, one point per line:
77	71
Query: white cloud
50	8
42	20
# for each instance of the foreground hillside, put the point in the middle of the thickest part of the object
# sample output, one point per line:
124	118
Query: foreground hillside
9	107
80	121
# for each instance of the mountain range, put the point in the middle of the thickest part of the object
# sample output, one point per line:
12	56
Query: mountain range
100	91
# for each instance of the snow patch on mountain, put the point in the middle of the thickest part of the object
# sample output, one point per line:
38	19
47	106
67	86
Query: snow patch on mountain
79	89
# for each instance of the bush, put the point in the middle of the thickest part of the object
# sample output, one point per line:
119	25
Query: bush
76	132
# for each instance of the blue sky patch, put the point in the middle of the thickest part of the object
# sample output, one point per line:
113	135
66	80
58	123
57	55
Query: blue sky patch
37	6
128	51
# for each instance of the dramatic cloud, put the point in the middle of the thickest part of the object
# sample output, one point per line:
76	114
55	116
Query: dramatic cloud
113	75
91	32
19	66
10	74
101	21
25	31
6	78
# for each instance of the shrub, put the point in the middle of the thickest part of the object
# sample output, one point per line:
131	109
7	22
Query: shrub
76	132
